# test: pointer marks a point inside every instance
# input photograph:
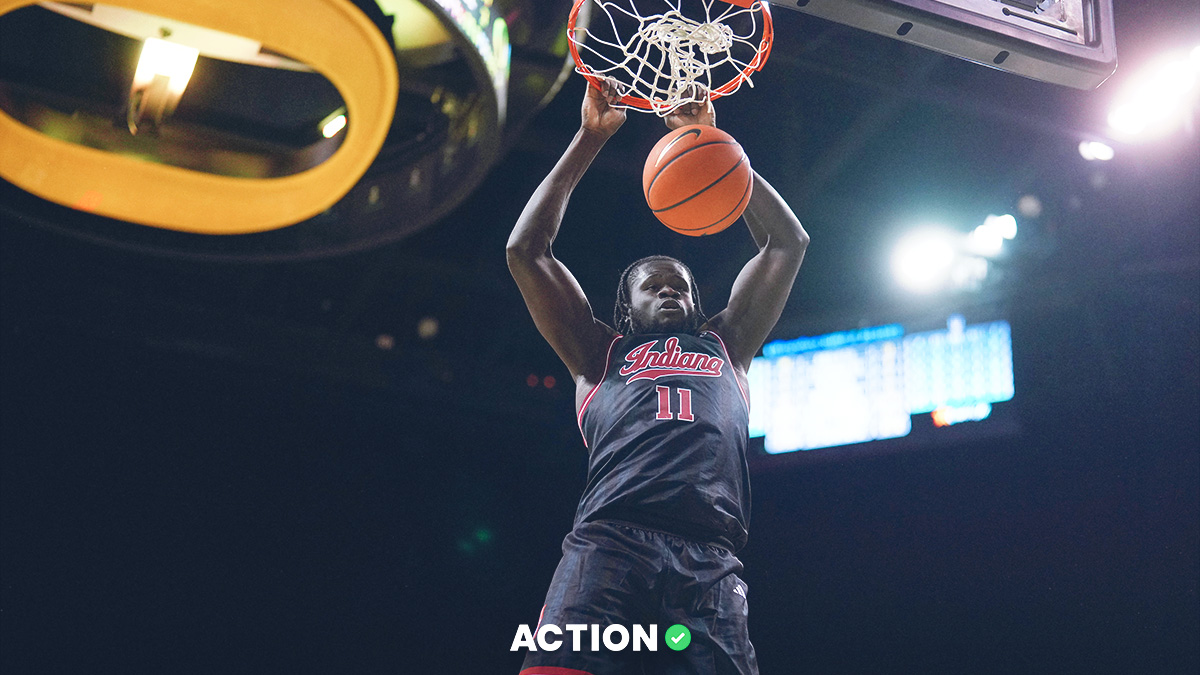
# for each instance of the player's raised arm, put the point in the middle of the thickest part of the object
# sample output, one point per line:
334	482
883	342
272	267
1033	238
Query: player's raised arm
763	285
557	303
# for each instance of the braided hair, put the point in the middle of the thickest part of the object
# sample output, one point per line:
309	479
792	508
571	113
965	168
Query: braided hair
623	322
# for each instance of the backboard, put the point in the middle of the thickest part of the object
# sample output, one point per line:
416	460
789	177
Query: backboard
1066	42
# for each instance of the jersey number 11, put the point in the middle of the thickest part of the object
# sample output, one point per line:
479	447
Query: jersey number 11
664	404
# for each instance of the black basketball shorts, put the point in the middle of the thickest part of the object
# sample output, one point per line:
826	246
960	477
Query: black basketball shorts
616	573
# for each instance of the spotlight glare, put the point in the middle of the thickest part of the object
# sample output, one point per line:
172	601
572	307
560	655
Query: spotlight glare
1029	206
922	260
1128	120
1095	151
1175	80
969	272
986	240
1007	224
428	328
1157	102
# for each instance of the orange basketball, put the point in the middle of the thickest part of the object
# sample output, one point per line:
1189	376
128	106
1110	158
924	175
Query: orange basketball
697	180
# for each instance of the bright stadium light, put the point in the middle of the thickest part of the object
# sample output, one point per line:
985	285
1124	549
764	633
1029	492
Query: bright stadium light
163	72
923	259
1157	102
331	125
172	61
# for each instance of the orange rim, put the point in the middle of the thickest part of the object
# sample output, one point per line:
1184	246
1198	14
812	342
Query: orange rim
756	64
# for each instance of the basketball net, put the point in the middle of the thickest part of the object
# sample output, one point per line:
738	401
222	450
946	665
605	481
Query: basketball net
661	52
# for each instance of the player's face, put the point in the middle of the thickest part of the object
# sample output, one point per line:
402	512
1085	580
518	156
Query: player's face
660	298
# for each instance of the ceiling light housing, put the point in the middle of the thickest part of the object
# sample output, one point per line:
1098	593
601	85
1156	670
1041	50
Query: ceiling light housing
332	37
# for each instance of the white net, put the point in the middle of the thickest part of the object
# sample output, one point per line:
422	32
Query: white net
663	51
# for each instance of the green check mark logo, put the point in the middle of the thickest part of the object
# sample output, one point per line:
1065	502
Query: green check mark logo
678	637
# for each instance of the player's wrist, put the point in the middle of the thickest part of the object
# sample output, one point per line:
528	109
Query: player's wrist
596	132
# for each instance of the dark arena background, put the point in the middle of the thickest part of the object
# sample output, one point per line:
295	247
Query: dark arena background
342	447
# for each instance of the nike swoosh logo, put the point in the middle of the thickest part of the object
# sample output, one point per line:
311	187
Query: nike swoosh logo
689	132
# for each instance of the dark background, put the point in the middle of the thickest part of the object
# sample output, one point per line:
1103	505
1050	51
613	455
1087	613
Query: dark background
213	467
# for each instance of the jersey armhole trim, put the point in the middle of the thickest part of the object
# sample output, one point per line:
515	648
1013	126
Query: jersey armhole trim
588	398
729	360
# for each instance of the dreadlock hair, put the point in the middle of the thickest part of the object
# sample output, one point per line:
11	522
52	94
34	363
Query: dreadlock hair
622	321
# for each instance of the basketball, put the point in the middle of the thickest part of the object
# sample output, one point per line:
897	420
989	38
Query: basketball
697	180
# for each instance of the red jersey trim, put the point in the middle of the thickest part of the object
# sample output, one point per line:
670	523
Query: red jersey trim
588	399
733	370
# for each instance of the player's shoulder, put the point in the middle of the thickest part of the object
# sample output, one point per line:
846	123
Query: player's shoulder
599	351
718	325
726	332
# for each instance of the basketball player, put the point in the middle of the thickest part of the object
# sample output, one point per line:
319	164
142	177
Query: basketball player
661	402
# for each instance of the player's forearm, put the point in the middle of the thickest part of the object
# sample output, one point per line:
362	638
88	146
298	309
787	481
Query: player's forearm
771	221
539	222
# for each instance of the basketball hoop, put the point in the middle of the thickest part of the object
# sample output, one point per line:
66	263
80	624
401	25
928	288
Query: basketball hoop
661	51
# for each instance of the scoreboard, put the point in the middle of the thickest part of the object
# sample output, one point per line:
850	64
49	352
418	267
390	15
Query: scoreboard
870	384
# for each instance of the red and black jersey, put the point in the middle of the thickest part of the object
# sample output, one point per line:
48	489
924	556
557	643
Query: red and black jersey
666	429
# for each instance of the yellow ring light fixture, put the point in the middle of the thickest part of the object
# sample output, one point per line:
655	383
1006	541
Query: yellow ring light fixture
332	36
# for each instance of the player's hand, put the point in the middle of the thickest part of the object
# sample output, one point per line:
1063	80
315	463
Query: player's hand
599	115
699	110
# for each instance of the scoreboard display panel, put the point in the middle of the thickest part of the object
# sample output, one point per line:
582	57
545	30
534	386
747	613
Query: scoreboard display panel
883	382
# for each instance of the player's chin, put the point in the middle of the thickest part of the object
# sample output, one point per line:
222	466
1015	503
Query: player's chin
673	322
